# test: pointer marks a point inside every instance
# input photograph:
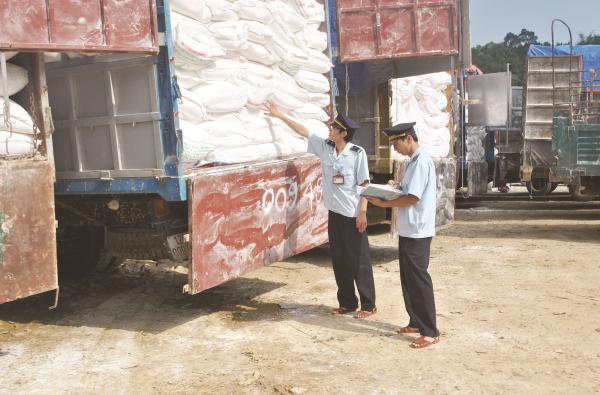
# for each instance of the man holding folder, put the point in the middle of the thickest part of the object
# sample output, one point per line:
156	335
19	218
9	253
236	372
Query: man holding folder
416	228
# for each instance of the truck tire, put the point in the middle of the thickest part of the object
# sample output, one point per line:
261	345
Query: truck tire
539	187
143	244
79	249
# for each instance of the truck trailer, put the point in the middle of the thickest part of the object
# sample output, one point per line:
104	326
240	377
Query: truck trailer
108	179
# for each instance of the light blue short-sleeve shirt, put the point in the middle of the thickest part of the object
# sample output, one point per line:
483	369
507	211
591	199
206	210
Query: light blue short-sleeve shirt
351	163
418	221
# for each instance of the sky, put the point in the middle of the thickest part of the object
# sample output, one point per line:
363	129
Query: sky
492	19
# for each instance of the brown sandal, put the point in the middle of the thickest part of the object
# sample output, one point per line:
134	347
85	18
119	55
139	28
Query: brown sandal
407	329
342	310
422	343
365	313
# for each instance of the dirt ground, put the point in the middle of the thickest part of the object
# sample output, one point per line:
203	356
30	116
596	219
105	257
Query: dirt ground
518	306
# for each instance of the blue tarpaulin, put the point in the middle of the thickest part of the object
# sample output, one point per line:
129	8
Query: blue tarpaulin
590	53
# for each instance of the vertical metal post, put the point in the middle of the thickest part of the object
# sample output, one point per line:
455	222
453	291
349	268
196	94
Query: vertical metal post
4	75
570	68
330	55
509	101
465	33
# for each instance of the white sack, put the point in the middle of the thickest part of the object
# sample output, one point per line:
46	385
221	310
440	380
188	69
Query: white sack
250	153
292	57
317	127
194	40
312	82
51	57
315	39
223	70
10	54
230	34
286	17
255	73
16	143
187	79
258	53
18	79
195	9
253	10
317	62
221	97
257	32
222	10
194	148
19	117
320	99
257	96
313	11
421	99
191	108
311	111
226	132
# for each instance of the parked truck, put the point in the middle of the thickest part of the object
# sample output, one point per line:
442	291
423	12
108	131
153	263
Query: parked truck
110	129
548	134
109	179
407	39
562	120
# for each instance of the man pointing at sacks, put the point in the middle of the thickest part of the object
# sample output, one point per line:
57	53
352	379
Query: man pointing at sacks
345	166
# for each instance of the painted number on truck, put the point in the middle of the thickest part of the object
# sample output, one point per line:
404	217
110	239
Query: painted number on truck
287	197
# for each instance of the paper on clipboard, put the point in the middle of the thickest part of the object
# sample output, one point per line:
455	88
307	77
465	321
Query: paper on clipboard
381	191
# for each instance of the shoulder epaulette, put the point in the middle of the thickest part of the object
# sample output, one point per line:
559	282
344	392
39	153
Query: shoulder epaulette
355	148
330	143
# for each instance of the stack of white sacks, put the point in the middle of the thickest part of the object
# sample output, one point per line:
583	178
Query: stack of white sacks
422	99
16	130
233	57
475	140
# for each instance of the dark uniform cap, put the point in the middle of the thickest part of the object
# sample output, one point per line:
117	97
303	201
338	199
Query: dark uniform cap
345	123
400	130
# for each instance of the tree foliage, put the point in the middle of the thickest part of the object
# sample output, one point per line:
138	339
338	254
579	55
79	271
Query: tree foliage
589	39
493	57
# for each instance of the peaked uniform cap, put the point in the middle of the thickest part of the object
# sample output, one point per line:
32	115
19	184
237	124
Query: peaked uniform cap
345	123
399	130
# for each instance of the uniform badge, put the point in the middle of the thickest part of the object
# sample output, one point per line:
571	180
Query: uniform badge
338	179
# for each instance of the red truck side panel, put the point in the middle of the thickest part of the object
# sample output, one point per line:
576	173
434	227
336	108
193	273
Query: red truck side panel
79	25
245	217
384	29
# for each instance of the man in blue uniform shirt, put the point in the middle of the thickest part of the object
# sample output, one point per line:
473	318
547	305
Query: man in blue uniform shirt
345	166
416	228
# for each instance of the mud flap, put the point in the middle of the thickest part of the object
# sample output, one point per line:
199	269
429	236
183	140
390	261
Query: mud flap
27	229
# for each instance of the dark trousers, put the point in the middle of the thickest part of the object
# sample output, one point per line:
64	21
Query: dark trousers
351	262
417	287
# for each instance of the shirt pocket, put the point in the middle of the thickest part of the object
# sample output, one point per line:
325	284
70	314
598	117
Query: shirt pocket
327	171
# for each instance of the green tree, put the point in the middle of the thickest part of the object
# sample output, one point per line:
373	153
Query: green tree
493	57
589	39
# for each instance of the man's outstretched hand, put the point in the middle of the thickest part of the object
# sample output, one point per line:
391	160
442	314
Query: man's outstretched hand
272	110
